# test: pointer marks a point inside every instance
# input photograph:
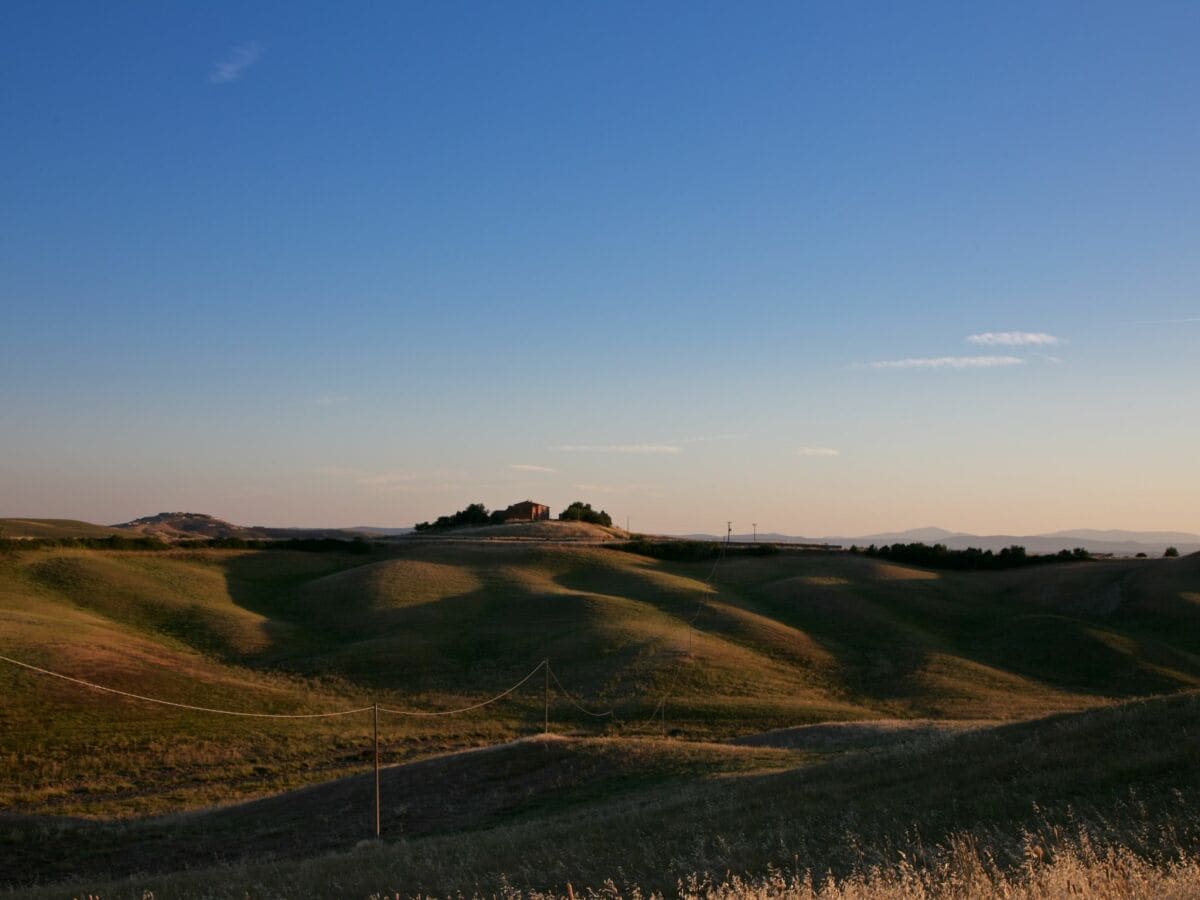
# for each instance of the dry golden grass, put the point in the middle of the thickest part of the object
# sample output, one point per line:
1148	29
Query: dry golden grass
552	530
784	640
1103	800
964	873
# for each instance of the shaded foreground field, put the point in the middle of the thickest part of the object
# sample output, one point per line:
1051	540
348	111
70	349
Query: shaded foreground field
994	803
785	647
458	792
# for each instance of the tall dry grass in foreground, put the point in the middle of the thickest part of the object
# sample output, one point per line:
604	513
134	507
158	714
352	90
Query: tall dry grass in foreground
959	871
1052	863
965	872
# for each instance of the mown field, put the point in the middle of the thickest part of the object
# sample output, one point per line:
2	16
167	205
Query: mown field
780	641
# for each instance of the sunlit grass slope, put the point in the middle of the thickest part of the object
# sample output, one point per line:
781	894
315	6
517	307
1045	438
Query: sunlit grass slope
54	528
778	641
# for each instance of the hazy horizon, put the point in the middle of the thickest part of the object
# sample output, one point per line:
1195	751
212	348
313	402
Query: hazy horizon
831	270
738	529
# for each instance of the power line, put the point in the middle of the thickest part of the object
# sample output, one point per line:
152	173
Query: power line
660	707
207	709
571	700
550	673
454	712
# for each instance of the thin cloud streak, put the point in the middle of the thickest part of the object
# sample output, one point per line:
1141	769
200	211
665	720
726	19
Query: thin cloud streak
945	362
620	489
526	467
1014	339
709	438
817	451
231	68
616	448
329	398
399	482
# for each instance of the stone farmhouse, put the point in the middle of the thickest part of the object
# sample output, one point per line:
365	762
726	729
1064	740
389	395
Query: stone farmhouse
526	511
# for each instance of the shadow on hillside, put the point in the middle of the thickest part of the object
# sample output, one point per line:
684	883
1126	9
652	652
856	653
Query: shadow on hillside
1122	771
960	644
464	644
887	634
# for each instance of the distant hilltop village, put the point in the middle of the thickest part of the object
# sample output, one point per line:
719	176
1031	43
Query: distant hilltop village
476	515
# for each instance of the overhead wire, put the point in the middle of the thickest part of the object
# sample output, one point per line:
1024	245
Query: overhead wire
571	699
689	624
189	706
463	709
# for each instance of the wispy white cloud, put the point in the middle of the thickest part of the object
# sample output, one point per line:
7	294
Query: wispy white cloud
620	489
329	398
709	438
526	467
1014	339
946	362
817	451
340	472
387	479
1184	321
616	448
399	482
232	67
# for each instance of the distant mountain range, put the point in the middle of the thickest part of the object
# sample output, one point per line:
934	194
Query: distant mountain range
1115	541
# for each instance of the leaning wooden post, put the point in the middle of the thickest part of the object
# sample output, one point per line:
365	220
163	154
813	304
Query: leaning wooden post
546	696
376	711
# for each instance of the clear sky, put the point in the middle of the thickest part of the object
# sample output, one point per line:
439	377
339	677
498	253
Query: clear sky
828	267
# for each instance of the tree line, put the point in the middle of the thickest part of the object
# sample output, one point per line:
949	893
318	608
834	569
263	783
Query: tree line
939	556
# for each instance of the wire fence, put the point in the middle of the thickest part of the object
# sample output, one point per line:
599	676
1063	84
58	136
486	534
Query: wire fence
162	702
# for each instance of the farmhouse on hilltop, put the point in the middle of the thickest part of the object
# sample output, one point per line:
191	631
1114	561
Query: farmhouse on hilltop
526	511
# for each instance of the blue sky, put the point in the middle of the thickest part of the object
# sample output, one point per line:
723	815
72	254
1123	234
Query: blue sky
293	264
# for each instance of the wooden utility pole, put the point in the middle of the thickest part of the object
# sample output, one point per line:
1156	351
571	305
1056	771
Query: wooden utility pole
546	695
376	711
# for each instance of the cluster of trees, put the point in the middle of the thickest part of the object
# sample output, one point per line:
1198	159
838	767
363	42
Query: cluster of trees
583	512
472	514
939	556
478	514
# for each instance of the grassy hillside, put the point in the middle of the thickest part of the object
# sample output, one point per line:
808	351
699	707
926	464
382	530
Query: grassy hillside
465	791
965	809
54	528
780	641
549	530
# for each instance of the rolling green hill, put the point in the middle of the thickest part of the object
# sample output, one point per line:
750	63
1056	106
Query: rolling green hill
778	641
